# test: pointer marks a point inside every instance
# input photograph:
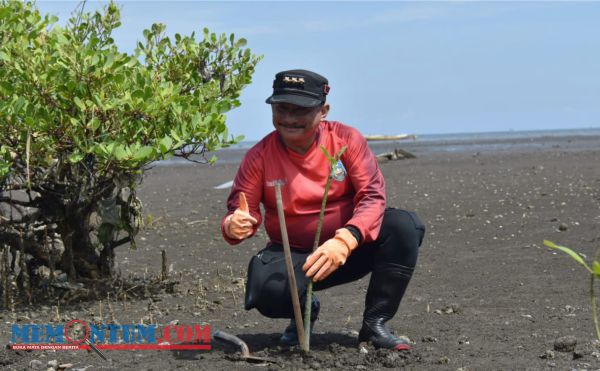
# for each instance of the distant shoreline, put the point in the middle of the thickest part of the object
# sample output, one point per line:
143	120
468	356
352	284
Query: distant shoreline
484	135
519	141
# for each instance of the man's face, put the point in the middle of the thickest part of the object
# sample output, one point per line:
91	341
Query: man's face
297	125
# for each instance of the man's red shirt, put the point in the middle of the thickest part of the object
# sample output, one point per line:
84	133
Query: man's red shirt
357	200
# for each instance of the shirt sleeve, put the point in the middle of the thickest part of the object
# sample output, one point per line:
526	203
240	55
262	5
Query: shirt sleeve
249	179
369	184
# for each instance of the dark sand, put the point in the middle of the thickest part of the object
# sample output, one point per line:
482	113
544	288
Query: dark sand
486	293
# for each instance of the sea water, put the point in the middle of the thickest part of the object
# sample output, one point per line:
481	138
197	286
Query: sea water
580	139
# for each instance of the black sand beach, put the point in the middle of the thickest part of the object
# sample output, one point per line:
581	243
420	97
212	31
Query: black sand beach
486	293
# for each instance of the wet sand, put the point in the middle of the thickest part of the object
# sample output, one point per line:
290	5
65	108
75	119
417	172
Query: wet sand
486	293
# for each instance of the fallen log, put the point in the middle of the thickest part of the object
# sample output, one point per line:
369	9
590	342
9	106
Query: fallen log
396	154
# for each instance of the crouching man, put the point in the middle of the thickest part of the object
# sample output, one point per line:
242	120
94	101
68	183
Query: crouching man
359	234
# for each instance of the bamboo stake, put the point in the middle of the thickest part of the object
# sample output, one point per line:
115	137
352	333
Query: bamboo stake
24	272
5	282
164	273
290	268
27	153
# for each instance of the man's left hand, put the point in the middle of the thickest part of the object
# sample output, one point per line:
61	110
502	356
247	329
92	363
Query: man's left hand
330	256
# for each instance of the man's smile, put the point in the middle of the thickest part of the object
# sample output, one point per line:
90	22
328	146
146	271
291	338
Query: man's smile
291	128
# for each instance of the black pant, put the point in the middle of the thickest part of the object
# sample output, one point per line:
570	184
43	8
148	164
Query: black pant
267	286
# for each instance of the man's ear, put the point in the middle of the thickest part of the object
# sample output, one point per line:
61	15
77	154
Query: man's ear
324	111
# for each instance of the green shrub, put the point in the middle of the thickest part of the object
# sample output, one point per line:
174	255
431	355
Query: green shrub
81	120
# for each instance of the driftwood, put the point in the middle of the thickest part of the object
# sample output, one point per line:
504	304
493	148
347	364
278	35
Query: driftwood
397	154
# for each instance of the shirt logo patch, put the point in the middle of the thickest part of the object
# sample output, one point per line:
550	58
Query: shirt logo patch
339	171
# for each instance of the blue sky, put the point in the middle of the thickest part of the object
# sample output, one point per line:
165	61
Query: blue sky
405	67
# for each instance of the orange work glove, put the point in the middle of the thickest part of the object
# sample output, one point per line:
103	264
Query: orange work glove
330	256
239	225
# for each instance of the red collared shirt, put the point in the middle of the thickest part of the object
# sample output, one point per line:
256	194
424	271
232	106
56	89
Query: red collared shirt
357	198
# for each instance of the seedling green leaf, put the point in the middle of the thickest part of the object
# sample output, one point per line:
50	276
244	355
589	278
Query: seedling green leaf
594	273
596	268
568	251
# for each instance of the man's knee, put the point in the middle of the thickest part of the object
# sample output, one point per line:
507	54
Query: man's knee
400	237
267	287
403	225
270	299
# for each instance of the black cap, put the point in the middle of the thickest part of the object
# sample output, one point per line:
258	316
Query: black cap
300	87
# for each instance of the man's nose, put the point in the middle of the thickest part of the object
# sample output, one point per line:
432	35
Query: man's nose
286	118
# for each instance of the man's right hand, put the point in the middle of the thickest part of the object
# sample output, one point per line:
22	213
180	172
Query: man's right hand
240	224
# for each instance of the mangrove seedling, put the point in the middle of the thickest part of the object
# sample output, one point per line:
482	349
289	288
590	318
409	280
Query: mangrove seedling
333	160
594	273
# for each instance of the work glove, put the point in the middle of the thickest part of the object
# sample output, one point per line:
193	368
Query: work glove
330	255
240	224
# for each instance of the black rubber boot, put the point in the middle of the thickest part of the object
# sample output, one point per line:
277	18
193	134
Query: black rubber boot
290	334
386	288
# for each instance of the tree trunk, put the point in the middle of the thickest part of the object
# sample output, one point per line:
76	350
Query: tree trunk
80	252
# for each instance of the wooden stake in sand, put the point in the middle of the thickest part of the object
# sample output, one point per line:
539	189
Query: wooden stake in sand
289	265
5	282
163	272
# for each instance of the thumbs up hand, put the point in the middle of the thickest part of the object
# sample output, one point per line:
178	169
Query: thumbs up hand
239	225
